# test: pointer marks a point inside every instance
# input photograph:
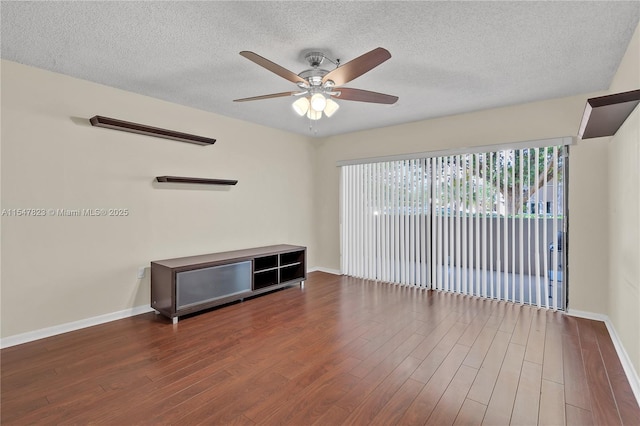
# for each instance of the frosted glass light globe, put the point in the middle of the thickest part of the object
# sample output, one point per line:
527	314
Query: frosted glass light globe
301	106
318	102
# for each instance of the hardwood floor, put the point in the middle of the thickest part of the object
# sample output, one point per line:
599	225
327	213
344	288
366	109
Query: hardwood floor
337	351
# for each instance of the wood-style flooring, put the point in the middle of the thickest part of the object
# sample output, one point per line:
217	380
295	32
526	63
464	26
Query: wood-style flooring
338	350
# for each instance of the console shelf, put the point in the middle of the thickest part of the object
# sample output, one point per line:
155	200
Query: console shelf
190	284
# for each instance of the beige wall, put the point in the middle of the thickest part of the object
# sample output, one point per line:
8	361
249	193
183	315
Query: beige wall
624	213
61	269
540	120
624	225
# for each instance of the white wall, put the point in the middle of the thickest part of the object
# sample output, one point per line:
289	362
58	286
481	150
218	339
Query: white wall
588	255
57	270
624	213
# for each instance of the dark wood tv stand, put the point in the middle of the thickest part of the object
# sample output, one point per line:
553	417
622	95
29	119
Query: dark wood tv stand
190	284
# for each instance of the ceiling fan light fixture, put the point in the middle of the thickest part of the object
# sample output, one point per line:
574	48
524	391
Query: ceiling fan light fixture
301	106
331	107
314	115
318	102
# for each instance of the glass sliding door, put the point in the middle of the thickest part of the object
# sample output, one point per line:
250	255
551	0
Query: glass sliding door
489	224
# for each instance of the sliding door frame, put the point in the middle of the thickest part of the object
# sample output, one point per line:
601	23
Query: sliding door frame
427	282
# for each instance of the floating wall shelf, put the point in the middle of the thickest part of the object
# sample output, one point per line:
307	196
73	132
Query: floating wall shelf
181	179
127	126
604	115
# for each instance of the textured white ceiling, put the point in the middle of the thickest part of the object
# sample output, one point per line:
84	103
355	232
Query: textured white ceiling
447	57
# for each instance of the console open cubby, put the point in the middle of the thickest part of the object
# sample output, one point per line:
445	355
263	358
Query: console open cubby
280	268
291	272
265	271
291	258
292	266
264	263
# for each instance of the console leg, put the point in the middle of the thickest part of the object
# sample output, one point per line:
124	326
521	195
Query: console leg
156	312
174	320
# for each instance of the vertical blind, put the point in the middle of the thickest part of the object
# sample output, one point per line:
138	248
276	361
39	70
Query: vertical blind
484	224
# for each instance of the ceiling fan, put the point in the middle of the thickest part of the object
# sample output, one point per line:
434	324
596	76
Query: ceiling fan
317	86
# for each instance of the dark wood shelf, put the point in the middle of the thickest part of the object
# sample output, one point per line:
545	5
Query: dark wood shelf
182	179
127	126
604	115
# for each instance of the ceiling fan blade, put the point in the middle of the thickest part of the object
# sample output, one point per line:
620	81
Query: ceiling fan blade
273	95
358	66
359	95
273	67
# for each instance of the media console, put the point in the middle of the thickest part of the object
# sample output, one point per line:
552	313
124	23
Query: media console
190	284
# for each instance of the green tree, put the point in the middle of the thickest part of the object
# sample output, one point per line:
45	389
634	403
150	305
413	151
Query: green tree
519	174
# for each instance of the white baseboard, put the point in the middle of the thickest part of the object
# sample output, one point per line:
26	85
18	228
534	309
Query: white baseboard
327	270
30	336
627	365
587	315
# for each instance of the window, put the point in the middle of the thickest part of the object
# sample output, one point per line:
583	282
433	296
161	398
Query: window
473	223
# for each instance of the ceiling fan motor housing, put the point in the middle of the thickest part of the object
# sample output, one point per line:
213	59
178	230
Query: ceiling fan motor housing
314	75
314	58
